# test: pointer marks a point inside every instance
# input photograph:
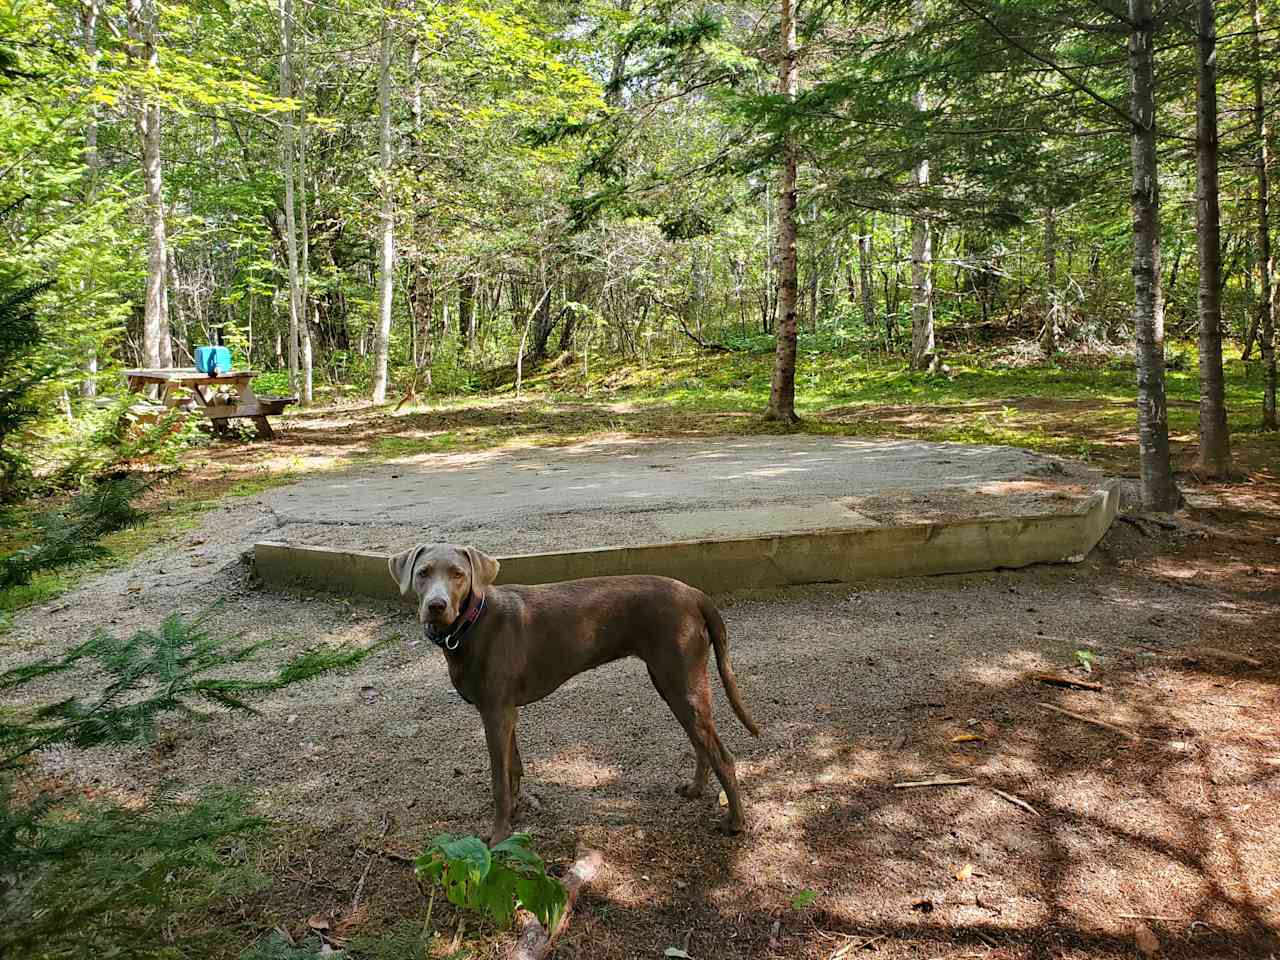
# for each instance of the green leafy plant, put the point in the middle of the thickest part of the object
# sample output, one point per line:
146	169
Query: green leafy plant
88	880
805	898
278	947
71	535
493	880
81	879
150	674
20	370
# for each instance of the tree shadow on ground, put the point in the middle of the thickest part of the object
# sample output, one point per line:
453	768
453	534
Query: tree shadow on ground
856	687
1177	827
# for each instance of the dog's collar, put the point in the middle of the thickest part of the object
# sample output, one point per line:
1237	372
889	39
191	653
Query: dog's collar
451	639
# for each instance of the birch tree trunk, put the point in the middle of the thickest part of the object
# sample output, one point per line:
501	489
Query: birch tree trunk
1158	489
89	39
140	15
287	159
922	341
387	255
866	285
1266	304
1215	442
304	321
1049	335
782	392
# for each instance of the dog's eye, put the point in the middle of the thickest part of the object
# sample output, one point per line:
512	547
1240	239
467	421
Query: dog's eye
455	574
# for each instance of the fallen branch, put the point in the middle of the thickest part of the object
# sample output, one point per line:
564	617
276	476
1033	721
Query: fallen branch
1216	653
533	941
1057	681
856	945
390	855
707	345
1016	801
1128	734
936	782
355	901
1145	916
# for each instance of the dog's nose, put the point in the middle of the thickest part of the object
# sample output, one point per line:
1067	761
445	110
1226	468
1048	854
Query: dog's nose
436	606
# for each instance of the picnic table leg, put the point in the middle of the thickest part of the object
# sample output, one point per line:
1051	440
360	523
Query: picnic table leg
219	426
264	428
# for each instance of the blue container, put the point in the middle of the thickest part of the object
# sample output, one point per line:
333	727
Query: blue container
213	360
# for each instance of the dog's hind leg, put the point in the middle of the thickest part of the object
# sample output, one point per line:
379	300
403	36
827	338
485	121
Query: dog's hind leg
688	693
698	784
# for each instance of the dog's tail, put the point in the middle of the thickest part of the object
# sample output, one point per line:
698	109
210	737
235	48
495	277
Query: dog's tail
720	640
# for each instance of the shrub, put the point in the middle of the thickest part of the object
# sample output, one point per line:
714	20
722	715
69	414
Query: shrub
20	372
493	881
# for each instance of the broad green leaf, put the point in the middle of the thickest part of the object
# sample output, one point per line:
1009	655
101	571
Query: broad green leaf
803	899
544	897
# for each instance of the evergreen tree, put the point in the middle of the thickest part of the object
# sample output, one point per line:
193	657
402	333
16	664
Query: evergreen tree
21	371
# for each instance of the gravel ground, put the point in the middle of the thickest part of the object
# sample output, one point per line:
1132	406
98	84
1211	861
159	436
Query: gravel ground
856	687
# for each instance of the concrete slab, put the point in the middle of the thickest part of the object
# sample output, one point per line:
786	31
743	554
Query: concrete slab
751	521
718	566
632	492
718	513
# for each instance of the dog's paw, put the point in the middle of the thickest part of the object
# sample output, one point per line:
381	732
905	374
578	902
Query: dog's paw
689	791
732	827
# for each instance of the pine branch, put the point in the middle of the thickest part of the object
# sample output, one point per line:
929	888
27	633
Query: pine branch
149	675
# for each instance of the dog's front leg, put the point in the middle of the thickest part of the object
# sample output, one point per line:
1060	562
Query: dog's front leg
499	730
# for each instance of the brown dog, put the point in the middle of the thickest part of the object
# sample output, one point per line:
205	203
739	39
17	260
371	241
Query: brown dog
508	646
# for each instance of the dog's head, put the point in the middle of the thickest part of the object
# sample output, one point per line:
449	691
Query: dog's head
441	576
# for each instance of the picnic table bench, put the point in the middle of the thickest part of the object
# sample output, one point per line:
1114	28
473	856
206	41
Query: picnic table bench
226	396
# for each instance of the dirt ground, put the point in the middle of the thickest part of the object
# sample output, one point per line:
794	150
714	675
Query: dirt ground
1171	834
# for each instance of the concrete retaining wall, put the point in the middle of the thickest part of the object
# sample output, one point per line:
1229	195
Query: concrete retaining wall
718	566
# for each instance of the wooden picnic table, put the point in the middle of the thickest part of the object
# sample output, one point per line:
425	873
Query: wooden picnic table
209	399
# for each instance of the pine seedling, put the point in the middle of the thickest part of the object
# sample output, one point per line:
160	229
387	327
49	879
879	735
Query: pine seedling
149	675
71	535
89	880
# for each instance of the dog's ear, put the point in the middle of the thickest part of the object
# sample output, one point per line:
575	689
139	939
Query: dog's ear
401	567
484	569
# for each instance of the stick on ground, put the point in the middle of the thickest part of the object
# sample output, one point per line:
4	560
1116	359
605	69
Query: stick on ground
1016	801
1057	681
936	782
1214	653
533	942
1129	734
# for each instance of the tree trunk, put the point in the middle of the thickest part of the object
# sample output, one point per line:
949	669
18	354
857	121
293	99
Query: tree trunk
304	321
467	313
1215	442
782	392
866	286
545	322
421	297
287	159
1158	489
1049	335
89	39
922	342
387	256
1266	304
155	327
